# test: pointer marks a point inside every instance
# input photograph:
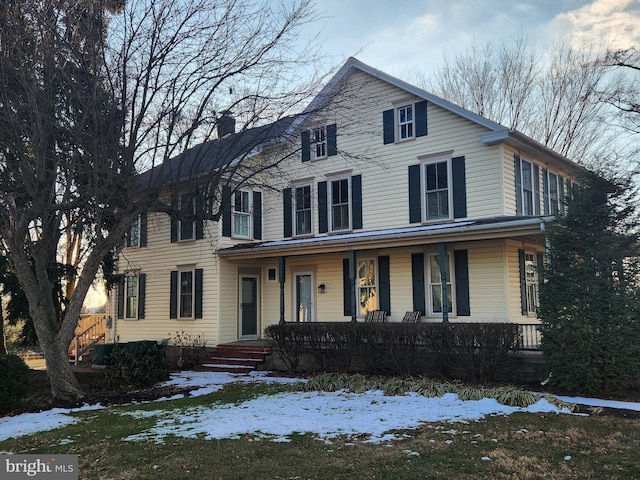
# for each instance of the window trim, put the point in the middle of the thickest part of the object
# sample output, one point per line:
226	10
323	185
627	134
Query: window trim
451	282
423	183
248	215
349	203
296	233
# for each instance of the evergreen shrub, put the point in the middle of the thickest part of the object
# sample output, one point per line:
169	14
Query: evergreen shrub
14	382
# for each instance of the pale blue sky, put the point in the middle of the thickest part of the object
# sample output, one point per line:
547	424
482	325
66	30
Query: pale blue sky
397	35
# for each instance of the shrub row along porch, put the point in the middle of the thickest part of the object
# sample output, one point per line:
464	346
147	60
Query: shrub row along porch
472	351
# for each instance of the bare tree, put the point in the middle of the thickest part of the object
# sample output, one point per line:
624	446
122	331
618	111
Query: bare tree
553	98
96	92
624	90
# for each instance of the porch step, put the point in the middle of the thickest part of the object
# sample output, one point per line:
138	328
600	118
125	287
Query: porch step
237	357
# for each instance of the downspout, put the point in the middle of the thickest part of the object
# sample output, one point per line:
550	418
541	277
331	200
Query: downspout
281	278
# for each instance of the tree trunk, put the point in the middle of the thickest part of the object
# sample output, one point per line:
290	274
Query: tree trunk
3	339
64	385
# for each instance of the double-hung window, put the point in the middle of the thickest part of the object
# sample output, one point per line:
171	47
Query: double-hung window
133	239
131	296
187	226
320	142
436	302
437	190
339	201
242	214
405	122
302	209
367	292
185	294
527	188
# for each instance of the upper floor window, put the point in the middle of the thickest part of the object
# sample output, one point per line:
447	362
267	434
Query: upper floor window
242	214
339	204
302	208
527	179
367	291
437	190
554	192
405	122
133	239
187	224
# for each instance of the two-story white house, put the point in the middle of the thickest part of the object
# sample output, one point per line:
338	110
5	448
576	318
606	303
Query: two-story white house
392	199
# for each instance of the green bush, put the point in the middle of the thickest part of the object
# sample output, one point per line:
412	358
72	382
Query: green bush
185	351
138	364
14	382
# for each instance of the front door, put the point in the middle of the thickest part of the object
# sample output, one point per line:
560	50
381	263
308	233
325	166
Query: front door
248	306
304	297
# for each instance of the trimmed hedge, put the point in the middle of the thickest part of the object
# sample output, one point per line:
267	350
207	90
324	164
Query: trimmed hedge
14	382
453	350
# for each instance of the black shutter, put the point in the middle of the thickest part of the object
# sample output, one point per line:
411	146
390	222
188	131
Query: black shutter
540	262
287	212
120	312
347	301
523	283
143	229
459	187
421	118
257	215
415	195
142	289
198	294
518	174
417	281
323	213
226	211
173	298
356	201
388	127
384	281
536	189
306	145
561	194
199	216
332	140
461	267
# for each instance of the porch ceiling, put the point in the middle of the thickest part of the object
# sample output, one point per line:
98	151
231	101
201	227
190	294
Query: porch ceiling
464	231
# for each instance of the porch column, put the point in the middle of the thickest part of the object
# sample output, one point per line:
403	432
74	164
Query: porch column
442	260
352	282
281	279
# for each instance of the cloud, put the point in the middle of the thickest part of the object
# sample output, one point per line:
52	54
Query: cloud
614	22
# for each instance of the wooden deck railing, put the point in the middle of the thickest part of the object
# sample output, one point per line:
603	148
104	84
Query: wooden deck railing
530	337
91	330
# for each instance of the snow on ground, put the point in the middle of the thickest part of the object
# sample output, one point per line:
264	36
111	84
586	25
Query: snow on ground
324	414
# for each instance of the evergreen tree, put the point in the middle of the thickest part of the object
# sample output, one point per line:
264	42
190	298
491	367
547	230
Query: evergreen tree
589	296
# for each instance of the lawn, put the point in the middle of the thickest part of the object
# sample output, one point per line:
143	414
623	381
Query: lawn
519	445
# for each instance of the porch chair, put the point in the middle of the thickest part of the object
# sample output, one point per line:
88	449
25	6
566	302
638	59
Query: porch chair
376	316
412	317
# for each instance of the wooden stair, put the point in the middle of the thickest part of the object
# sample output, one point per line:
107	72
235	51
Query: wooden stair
237	357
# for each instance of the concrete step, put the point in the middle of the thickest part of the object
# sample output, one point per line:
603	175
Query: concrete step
236	357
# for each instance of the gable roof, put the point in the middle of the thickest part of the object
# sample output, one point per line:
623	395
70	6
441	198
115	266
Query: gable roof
496	132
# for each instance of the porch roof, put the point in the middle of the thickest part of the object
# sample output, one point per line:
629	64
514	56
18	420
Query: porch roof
468	230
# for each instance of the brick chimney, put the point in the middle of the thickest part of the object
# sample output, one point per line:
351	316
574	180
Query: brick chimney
226	124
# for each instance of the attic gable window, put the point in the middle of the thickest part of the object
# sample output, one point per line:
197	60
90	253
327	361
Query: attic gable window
318	143
405	122
187	228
